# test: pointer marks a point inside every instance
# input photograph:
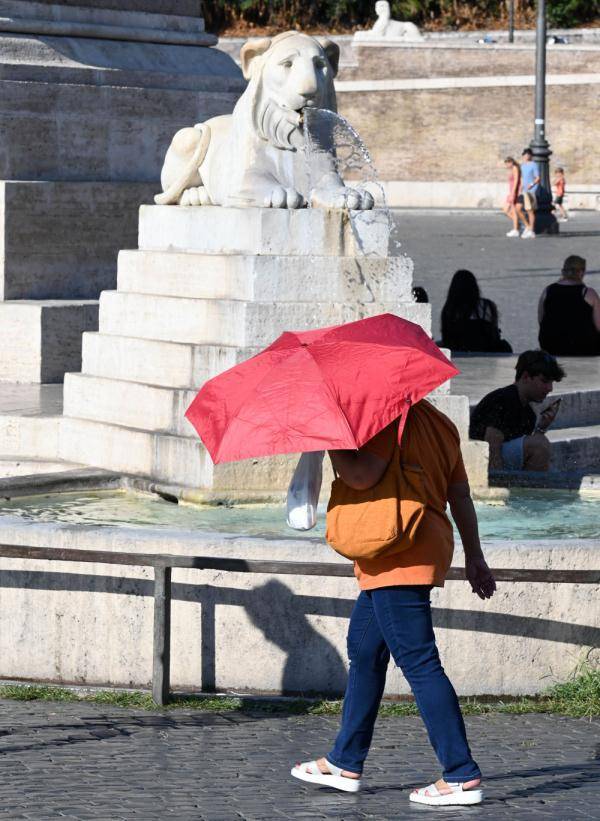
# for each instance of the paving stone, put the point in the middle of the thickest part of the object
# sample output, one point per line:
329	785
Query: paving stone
79	762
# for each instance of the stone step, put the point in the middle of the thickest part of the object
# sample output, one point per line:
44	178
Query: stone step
456	408
575	449
170	459
217	230
577	408
129	404
155	362
41	339
231	322
198	321
167	364
32	437
162	410
11	467
265	278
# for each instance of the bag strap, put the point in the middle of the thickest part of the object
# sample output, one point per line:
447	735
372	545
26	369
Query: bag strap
403	418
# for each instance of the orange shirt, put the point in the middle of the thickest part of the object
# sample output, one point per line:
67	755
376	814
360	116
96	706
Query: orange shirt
430	440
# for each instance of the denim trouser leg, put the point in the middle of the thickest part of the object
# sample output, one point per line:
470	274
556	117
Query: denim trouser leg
369	657
398	620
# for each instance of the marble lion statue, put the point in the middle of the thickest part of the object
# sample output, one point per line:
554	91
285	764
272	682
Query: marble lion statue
256	155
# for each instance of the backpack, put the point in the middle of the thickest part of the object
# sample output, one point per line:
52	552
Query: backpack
379	521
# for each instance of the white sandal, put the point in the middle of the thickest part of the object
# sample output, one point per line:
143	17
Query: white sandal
309	771
432	796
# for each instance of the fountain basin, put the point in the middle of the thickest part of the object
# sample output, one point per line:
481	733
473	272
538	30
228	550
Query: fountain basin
92	624
526	514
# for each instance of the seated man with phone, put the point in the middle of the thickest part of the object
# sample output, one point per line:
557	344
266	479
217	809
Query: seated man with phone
505	419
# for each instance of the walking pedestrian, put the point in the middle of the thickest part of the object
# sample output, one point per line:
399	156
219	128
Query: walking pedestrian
514	189
392	615
527	200
569	313
559	193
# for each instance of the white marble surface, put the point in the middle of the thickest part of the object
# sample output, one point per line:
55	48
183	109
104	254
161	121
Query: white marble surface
262	144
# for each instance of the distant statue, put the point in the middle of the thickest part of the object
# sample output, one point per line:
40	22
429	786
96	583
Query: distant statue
255	156
387	29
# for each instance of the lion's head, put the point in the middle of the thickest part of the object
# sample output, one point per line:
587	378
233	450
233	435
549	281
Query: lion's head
288	73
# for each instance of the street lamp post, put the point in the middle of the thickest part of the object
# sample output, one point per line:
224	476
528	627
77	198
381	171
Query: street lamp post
545	221
511	21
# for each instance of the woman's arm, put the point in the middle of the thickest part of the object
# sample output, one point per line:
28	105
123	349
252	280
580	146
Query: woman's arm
516	184
359	469
541	306
478	573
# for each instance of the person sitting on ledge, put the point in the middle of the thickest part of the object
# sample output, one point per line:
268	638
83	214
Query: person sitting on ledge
569	313
469	321
505	419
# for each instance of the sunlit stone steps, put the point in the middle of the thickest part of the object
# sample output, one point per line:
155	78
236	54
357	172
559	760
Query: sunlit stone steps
156	362
231	322
263	278
210	287
265	231
170	459
33	437
162	409
130	404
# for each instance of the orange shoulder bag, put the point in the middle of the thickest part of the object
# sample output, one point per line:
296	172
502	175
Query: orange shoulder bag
364	524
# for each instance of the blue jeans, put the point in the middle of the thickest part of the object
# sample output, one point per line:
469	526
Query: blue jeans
397	620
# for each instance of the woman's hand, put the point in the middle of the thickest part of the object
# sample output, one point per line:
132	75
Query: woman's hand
480	577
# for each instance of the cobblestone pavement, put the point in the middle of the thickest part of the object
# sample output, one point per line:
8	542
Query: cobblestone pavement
82	761
512	272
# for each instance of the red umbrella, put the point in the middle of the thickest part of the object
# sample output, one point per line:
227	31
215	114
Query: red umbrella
331	388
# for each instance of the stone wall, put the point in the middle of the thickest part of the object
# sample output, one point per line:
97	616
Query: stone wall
461	134
92	624
465	60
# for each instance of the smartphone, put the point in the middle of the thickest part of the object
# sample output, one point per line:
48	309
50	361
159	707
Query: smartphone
553	405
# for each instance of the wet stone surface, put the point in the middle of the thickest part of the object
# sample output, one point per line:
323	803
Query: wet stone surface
82	761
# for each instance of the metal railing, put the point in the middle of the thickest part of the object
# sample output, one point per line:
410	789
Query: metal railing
163	564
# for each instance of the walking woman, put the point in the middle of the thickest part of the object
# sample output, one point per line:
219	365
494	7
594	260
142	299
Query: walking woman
514	189
392	615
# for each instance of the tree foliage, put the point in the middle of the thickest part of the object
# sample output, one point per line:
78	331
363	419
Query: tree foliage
336	14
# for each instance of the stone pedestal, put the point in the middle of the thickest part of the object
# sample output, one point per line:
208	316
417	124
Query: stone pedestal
91	94
207	288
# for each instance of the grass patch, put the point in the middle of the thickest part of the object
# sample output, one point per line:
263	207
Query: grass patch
579	698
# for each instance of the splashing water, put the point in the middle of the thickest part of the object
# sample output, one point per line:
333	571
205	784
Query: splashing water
327	131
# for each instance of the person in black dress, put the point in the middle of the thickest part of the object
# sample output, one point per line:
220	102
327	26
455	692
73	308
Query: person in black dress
470	322
505	419
569	314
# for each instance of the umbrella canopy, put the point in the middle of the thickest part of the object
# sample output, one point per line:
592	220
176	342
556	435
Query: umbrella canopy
331	388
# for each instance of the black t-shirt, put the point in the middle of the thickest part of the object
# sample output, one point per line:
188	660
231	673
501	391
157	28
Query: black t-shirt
502	409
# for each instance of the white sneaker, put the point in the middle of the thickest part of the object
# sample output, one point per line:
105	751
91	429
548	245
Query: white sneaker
512	233
563	219
527	234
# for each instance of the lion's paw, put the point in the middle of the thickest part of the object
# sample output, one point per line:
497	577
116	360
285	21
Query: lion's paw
280	197
197	195
354	199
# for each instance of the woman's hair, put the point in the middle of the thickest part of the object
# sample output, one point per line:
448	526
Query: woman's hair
462	299
559	169
511	160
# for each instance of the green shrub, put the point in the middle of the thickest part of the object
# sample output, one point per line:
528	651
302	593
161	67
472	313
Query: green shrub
569	13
